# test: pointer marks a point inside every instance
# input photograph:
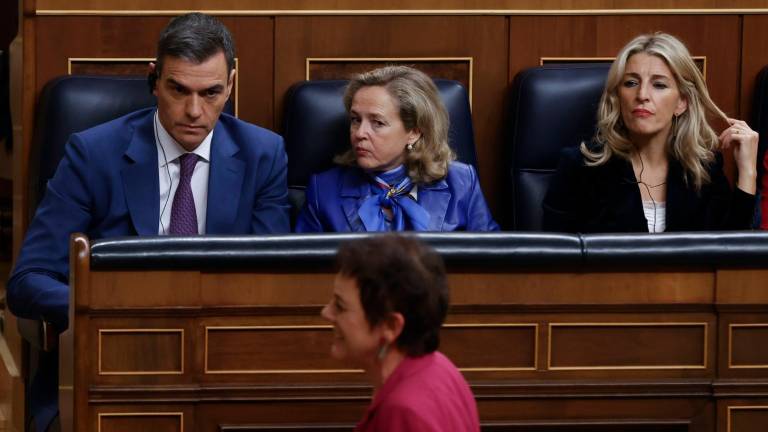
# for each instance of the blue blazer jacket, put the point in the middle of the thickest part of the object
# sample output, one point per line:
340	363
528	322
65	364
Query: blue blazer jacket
107	186
454	203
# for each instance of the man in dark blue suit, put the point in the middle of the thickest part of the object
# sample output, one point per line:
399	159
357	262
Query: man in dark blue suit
181	168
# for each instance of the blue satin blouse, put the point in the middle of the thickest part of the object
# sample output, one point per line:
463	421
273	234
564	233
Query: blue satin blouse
455	203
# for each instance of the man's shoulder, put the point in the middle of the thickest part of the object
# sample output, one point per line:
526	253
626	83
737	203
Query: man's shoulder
120	125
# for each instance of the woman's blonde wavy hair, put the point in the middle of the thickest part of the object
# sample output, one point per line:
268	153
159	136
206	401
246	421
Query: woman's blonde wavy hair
692	141
420	108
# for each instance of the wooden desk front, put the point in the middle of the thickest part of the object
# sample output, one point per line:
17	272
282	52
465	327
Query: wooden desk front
681	349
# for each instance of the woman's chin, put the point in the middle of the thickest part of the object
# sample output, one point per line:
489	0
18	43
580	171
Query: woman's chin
366	164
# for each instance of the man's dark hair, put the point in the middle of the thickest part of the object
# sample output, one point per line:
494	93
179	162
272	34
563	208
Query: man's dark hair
195	37
399	274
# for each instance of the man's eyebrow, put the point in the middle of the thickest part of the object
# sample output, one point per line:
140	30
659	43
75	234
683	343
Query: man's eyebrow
216	88
176	83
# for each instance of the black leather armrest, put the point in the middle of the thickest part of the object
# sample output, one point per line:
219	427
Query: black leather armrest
293	251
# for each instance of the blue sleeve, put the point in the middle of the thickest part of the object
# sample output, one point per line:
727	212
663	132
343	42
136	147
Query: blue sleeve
270	208
308	220
478	214
38	286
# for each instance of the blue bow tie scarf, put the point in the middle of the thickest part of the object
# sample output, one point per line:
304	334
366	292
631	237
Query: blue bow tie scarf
391	190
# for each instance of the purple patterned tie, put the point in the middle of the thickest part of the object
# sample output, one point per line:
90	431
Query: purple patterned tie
183	215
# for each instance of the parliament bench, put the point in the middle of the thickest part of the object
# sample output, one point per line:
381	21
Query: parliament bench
554	332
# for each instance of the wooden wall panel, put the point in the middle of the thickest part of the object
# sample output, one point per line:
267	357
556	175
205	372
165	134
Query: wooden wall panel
747	419
155	417
754	58
749	345
311	415
61	38
465	344
742	415
715	36
606	346
743	347
268	349
159	422
141	351
227	5
297	38
552	413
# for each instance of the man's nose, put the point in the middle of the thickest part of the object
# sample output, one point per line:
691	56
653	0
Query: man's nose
194	106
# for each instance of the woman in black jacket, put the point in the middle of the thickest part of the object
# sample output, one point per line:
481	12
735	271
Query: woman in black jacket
652	165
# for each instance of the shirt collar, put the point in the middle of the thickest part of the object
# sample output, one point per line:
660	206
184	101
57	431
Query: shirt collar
173	149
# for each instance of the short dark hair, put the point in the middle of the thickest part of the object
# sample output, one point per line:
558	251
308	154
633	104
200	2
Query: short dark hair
195	37
396	273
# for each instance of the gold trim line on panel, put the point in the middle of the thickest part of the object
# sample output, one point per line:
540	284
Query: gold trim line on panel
730	347
355	12
535	327
70	60
545	60
268	371
142	414
142	330
745	408
627	324
470	60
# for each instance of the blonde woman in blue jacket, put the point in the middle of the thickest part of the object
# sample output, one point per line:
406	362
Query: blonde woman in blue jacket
399	172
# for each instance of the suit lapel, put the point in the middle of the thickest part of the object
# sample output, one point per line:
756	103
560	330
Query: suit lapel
224	183
435	198
140	181
354	188
617	194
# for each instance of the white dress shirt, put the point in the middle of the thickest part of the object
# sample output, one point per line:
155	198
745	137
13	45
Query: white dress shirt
656	215
168	152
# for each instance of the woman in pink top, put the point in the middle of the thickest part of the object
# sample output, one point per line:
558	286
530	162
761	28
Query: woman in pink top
390	298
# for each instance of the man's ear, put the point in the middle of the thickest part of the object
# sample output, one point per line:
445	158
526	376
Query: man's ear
152	78
230	81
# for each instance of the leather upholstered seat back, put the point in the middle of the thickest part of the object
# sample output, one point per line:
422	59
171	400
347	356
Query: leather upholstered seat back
71	104
316	128
551	107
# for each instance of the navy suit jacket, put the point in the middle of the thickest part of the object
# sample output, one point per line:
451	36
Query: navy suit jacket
107	186
454	203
